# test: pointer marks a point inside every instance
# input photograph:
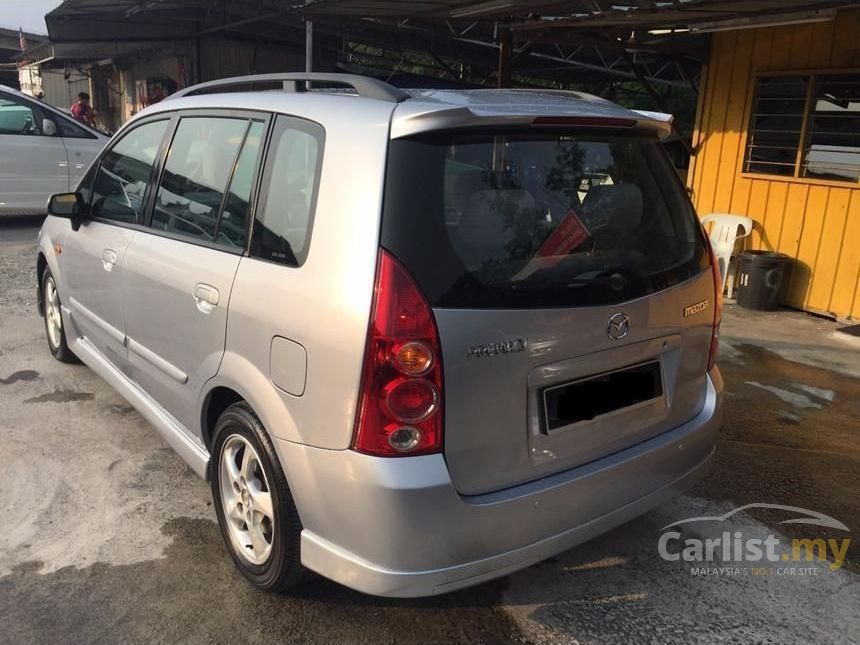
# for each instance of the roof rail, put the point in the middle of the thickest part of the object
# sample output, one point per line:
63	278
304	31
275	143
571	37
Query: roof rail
363	85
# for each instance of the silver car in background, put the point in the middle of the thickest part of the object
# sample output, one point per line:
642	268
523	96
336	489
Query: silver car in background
414	340
42	151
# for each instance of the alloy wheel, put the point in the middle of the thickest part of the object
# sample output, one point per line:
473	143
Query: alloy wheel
52	313
246	500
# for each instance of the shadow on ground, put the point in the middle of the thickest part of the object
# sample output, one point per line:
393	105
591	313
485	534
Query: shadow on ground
193	594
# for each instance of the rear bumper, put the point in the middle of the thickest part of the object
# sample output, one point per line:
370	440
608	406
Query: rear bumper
397	527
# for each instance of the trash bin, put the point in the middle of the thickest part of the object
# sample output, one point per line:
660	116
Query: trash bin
763	277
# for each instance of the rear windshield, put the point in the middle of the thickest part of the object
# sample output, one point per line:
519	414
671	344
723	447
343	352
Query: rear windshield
530	220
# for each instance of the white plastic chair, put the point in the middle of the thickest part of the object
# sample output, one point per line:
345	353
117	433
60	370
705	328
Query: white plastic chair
724	234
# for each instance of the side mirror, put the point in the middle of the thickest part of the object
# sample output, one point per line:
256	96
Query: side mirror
69	206
49	128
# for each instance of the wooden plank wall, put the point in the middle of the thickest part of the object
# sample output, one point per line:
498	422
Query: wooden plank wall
815	222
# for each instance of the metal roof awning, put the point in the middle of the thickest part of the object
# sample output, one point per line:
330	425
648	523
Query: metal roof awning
572	20
585	42
579	14
693	15
367	36
10	44
85	52
121	20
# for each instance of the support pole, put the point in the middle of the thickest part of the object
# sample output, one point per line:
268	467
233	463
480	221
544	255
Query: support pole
196	62
309	43
506	41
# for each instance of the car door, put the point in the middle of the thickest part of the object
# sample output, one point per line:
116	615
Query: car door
179	271
115	190
33	160
82	145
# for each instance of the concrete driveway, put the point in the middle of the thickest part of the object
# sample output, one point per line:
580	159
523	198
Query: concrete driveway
106	536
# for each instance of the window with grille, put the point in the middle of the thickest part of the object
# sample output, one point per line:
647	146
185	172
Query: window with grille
806	126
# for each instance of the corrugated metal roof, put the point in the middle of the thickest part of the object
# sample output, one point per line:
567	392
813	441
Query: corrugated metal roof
579	14
464	52
580	41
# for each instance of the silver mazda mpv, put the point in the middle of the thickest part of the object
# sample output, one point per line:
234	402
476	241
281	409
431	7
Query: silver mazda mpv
415	340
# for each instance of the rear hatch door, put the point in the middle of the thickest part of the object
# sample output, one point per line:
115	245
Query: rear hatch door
568	276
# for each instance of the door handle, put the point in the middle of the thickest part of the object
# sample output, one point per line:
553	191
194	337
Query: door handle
109	258
206	296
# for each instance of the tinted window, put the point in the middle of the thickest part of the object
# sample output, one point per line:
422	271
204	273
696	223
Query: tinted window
124	173
538	220
85	185
18	116
69	130
198	165
233	225
283	224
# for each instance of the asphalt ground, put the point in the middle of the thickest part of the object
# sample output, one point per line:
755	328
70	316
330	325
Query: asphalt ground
106	536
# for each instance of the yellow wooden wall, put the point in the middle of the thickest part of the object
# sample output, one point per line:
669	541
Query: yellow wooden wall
815	222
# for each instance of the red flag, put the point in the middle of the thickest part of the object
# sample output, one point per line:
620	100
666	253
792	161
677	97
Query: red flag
22	42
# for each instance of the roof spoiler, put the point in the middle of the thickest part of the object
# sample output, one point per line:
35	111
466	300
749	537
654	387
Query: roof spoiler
663	117
659	120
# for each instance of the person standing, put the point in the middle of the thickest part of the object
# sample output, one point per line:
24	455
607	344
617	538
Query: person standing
83	111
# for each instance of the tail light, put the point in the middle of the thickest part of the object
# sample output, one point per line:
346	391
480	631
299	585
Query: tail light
400	401
718	306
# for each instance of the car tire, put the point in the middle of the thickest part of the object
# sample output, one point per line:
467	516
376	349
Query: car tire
55	332
263	537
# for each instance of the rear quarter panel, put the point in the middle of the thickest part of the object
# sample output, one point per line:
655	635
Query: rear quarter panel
323	305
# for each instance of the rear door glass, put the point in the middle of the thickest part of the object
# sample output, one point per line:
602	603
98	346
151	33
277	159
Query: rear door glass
519	220
199	164
233	226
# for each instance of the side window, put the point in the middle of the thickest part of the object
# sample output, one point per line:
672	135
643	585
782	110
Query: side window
832	147
201	158
124	173
18	116
288	197
233	226
69	130
85	185
776	124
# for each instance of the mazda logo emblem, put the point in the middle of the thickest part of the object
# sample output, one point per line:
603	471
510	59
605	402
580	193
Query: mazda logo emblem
619	326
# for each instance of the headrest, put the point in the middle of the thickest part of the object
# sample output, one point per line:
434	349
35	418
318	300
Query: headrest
618	206
465	185
490	220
